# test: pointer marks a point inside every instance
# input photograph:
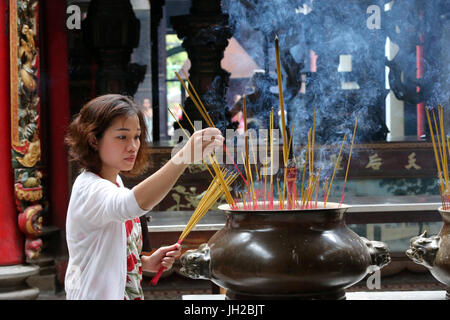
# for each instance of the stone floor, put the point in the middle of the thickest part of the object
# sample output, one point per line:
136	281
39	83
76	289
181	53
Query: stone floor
175	286
170	288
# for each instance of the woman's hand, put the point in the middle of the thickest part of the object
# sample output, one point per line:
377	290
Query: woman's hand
200	145
163	257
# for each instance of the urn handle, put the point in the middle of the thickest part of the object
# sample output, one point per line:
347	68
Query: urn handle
196	263
422	249
379	254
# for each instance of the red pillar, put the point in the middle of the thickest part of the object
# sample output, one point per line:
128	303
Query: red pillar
11	239
420	73
420	106
58	107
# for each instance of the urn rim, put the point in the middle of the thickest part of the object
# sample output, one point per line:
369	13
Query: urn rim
331	207
445	214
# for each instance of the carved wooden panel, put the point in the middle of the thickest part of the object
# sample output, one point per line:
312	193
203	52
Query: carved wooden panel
26	120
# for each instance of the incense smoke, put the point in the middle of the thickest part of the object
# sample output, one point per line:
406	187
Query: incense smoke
348	80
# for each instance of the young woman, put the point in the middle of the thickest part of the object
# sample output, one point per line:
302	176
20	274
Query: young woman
104	236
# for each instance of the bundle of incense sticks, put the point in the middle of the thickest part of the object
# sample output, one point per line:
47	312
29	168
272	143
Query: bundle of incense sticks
218	187
214	165
441	148
212	194
260	195
201	108
307	195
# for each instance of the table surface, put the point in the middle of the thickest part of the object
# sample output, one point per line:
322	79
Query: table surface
376	295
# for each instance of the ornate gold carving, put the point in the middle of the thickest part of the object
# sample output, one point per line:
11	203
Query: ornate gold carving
25	120
25	101
28	194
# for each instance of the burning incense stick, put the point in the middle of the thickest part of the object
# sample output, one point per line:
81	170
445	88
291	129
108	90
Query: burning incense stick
221	179
436	156
256	171
215	166
440	149
448	145
252	147
197	101
187	136
248	173
280	201
317	188
290	139
244	111
243	200
206	203
304	168
187	117
444	153
338	160
311	190
439	144
200	107
271	162
309	152
291	181
213	193
348	163
281	98
313	140
246	159
266	167
325	191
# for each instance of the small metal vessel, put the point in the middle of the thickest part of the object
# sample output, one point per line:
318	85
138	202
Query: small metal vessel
434	252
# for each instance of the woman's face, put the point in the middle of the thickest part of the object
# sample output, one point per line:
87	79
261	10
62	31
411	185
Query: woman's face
119	145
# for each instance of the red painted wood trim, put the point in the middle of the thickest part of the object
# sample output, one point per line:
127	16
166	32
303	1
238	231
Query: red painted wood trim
11	239
58	107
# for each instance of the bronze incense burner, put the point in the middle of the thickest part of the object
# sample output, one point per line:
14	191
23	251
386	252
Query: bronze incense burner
434	252
285	254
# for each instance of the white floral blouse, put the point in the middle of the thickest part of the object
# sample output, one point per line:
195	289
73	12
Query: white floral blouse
133	287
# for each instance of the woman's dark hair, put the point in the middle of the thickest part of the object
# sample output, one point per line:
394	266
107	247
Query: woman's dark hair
94	118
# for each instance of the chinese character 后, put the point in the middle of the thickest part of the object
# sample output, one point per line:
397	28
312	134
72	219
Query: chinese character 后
412	162
374	162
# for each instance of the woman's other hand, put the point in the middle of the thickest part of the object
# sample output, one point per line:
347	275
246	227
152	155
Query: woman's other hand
163	257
